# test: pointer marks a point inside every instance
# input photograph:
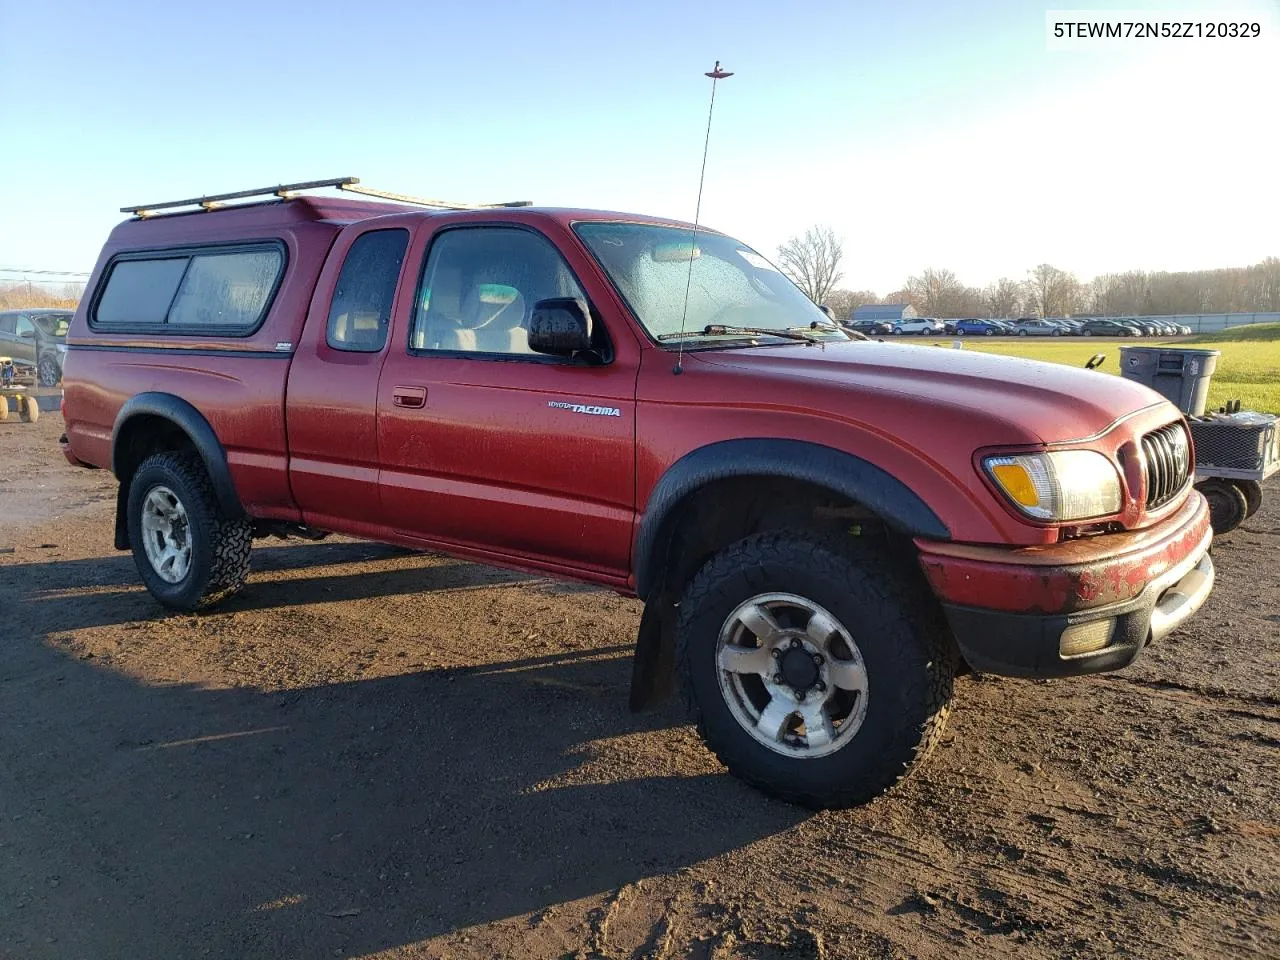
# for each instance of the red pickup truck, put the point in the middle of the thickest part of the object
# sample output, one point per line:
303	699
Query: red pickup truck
823	529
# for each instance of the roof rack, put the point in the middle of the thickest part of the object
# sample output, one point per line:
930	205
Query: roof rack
287	191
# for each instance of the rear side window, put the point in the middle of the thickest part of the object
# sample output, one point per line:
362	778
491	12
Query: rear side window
226	289
361	310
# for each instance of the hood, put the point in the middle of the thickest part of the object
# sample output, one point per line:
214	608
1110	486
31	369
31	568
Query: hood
1048	402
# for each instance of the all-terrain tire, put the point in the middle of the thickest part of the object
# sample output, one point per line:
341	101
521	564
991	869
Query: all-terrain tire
901	635
220	545
4	407
29	409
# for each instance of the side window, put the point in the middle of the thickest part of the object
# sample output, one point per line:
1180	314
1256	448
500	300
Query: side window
26	329
479	286
6	325
226	289
229	289
361	310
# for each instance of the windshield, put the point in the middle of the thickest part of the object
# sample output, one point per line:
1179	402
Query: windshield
54	325
730	284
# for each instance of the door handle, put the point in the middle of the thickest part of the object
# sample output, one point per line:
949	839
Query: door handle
412	397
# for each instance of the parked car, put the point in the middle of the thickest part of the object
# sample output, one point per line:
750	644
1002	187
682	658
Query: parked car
976	327
1184	330
36	337
513	385
1037	328
1101	327
925	326
870	328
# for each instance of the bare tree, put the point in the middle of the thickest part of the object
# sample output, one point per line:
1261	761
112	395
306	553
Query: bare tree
936	292
844	302
813	261
1004	298
1052	292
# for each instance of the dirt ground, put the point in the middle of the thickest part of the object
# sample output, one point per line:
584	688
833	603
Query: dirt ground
379	754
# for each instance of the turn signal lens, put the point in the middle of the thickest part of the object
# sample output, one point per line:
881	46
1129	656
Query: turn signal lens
1017	483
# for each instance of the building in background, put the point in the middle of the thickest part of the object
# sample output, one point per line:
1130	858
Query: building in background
892	312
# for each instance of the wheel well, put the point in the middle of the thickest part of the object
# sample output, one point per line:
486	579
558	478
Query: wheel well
724	511
138	438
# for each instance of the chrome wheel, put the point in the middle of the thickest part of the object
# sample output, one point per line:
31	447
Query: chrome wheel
791	675
166	534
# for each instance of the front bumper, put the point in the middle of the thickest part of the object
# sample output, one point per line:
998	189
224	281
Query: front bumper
1014	611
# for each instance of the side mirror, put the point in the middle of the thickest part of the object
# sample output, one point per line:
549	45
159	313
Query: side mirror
827	310
560	326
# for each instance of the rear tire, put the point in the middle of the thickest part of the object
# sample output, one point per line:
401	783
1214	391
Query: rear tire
881	695
1227	504
189	553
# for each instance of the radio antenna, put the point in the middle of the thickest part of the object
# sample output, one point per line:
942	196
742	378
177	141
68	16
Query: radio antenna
715	75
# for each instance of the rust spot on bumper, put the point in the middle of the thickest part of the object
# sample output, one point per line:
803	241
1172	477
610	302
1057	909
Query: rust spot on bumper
1064	577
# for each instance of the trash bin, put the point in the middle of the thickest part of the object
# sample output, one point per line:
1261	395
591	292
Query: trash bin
1182	376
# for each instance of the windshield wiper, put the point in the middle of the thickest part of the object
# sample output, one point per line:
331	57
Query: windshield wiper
722	330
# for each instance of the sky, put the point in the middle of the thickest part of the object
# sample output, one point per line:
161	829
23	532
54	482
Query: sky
924	132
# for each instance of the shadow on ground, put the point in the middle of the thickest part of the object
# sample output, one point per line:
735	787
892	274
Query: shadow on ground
351	817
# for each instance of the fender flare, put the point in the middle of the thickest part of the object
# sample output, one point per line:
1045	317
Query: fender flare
845	473
191	422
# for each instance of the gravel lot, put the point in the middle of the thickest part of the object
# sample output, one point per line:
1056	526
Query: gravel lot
378	753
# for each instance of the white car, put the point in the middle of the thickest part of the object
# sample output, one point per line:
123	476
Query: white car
925	326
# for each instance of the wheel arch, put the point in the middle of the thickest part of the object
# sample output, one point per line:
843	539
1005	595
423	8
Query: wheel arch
843	474
150	422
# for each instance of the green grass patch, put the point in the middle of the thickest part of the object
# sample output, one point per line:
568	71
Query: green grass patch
1248	370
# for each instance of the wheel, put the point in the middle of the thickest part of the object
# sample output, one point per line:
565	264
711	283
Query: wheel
1022	333
4	407
1227	504
28	408
48	370
959	333
989	333
1054	333
1252	491
814	672
1087	333
189	552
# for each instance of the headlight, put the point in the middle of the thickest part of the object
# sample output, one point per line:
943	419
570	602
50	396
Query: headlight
1059	485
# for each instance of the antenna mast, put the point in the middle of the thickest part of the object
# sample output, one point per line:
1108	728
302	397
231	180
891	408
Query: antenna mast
715	75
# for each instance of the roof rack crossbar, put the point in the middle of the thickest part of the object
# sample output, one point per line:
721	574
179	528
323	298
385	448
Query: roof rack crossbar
424	202
212	202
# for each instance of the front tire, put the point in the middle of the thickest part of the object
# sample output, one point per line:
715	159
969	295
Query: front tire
189	553
815	672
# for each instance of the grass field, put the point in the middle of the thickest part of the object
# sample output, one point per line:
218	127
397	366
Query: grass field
1248	370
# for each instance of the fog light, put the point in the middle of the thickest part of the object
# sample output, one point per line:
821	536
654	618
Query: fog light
1086	637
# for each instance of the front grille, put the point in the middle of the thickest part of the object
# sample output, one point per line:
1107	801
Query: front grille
1166	463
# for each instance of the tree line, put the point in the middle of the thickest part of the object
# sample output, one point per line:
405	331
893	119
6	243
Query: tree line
813	261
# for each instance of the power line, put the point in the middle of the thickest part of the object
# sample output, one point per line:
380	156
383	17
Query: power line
46	273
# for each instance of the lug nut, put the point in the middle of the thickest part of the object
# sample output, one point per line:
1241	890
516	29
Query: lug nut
820	687
776	653
817	658
777	678
794	643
